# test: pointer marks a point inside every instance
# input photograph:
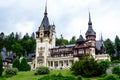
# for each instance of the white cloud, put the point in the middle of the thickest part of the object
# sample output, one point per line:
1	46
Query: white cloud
69	16
6	3
24	27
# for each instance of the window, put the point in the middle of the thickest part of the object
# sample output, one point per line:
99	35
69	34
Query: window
81	51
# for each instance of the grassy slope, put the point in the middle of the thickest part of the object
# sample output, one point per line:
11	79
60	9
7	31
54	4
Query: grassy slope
23	76
31	76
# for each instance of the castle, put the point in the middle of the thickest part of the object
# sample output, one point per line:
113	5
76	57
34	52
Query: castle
58	57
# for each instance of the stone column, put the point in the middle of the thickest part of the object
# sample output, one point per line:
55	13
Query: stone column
58	64
49	64
53	65
68	62
64	64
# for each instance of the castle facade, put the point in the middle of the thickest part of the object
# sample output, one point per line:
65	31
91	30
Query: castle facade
58	57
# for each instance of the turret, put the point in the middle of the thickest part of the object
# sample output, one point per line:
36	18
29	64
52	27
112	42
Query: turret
80	40
45	40
90	34
45	29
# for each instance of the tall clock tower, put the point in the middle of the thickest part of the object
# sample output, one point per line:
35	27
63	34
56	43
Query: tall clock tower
45	40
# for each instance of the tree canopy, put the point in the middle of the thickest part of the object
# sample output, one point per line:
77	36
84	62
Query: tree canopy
62	41
1	65
27	44
17	44
113	48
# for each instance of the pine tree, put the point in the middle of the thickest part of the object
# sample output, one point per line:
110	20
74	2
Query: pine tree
23	65
16	64
117	46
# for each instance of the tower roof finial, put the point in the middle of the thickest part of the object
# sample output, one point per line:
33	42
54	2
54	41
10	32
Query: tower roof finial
101	37
90	22
45	8
90	31
80	32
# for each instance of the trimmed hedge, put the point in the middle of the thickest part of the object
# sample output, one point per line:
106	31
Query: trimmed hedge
11	71
112	77
42	70
116	70
116	61
1	65
79	77
58	77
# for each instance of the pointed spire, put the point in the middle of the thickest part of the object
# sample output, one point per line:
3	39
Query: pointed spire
90	31
45	13
101	37
90	22
45	21
53	26
80	32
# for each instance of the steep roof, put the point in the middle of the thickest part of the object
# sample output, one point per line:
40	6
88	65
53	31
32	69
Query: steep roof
45	21
100	46
3	53
90	31
80	40
11	56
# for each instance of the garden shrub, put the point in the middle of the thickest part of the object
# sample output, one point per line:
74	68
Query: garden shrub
28	67
57	77
24	66
116	61
11	71
16	63
100	79
88	67
116	70
112	77
102	66
1	65
42	70
79	77
35	73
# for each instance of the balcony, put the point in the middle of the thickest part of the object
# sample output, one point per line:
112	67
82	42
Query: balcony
40	57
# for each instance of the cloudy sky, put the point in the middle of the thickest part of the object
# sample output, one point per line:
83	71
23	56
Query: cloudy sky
69	16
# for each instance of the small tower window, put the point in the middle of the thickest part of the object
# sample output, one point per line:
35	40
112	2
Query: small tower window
81	51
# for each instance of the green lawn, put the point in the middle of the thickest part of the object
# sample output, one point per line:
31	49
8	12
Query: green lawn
22	76
30	75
